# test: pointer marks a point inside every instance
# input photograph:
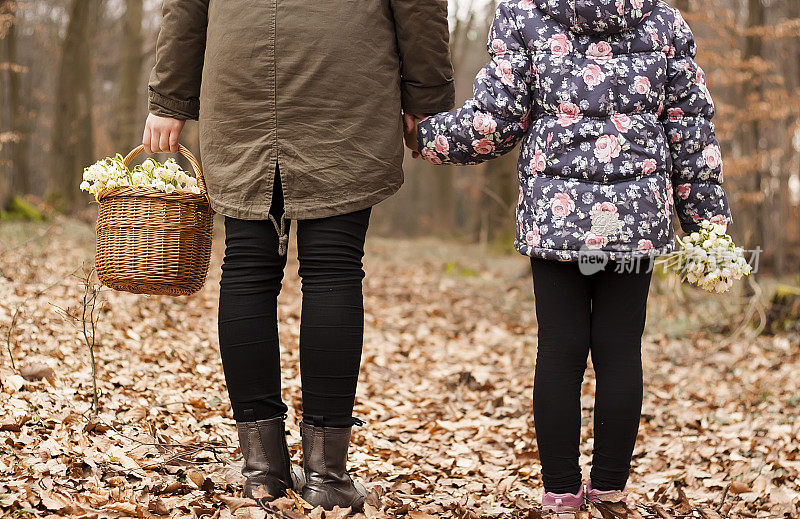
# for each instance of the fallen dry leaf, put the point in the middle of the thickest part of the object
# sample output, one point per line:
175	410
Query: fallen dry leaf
158	507
739	487
413	514
337	513
126	509
234	503
36	371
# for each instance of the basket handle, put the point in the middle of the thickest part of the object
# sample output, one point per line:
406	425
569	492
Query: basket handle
183	150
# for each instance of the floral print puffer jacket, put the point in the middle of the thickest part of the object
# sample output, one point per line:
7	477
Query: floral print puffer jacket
614	118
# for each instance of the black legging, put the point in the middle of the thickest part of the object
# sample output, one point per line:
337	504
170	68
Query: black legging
605	314
332	322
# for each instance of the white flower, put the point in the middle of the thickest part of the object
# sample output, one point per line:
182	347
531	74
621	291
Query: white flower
98	168
148	165
139	178
163	173
169	188
85	186
172	165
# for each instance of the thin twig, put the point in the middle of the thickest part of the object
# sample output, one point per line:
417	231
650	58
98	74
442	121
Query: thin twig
90	295
204	445
722	499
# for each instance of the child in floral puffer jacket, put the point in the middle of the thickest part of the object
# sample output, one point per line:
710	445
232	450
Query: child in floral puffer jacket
615	123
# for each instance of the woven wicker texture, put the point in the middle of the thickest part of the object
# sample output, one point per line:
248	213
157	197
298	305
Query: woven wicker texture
151	242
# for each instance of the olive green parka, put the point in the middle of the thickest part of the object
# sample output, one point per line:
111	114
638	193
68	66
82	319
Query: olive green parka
311	88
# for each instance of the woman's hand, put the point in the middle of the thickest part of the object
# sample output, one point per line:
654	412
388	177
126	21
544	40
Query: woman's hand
162	134
410	122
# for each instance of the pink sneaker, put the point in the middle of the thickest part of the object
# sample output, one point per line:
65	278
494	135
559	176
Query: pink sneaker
605	496
563	503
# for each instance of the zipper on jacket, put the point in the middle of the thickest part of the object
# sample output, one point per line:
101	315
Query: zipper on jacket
283	236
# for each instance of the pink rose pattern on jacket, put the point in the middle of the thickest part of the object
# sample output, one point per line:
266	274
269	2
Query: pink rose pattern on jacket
614	118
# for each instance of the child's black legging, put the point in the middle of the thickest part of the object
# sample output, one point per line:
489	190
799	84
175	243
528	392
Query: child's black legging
330	251
603	313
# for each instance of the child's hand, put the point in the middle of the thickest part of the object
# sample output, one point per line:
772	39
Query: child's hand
162	134
410	122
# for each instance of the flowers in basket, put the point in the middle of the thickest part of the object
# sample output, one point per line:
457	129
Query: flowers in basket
111	172
709	259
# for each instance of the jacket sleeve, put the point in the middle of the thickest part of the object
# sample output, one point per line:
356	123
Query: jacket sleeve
495	119
695	152
423	40
174	89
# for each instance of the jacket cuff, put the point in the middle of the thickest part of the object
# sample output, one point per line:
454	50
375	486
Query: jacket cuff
428	99
176	108
693	226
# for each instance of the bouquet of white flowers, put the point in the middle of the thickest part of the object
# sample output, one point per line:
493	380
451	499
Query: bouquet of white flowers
709	259
111	172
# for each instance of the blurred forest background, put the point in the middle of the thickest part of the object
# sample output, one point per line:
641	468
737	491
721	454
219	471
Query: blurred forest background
73	80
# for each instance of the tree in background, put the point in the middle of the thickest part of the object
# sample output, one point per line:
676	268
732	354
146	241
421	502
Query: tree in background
14	179
73	139
129	116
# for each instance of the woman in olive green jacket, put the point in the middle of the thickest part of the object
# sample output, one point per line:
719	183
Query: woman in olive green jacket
299	103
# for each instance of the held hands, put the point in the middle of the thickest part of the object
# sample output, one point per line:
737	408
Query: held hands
161	134
410	122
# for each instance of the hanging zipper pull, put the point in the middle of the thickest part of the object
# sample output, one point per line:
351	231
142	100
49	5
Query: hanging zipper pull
283	236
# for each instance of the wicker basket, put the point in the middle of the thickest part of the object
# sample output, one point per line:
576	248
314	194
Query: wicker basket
151	242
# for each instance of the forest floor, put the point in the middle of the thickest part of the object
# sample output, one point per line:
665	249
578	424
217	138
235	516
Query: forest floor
445	391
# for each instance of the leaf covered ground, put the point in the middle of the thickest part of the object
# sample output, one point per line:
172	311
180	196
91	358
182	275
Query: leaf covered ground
445	390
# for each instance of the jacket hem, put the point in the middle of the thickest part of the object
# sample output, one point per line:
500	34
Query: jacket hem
572	255
311	212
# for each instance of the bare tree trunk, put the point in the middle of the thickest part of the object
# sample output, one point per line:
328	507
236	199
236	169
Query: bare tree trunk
7	135
128	116
751	131
795	10
14	180
73	139
790	260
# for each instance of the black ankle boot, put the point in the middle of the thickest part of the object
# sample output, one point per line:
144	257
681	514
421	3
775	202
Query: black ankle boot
266	458
325	465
